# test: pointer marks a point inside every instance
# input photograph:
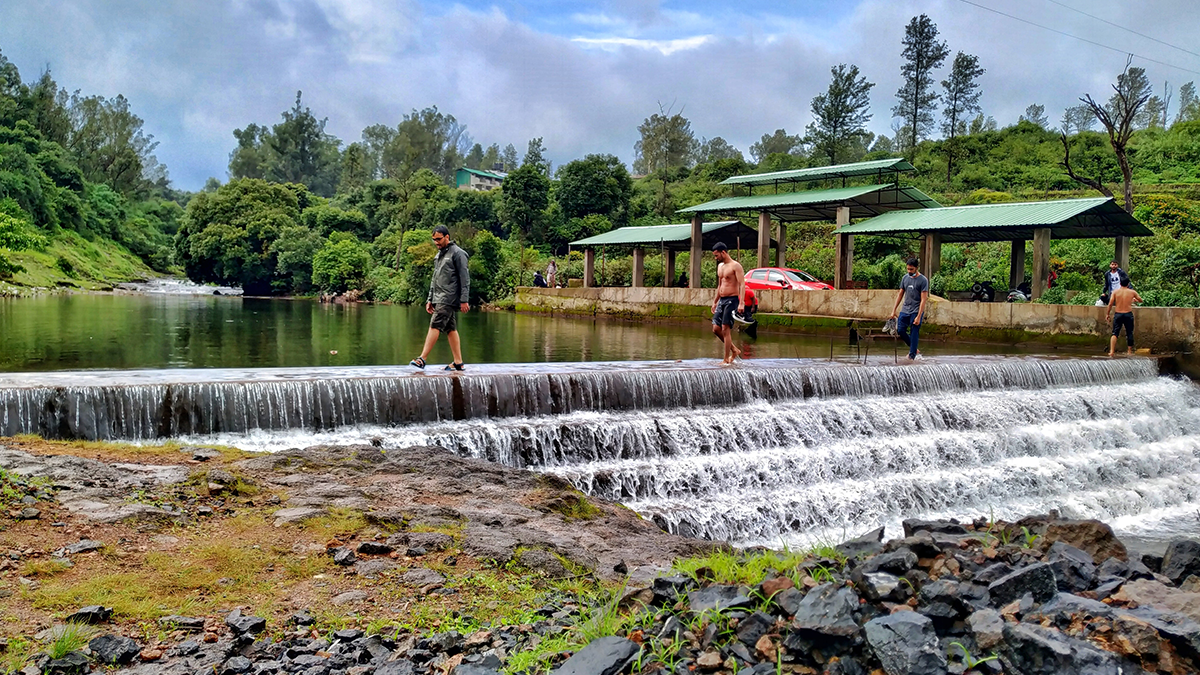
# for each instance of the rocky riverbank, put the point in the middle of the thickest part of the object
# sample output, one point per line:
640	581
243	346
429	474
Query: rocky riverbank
357	561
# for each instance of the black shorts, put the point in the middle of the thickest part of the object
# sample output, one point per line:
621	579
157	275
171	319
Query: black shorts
1123	319
726	306
445	318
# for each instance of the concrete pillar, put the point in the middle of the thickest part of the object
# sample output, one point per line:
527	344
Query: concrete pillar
669	274
1016	269
843	265
764	239
931	254
781	246
1041	261
639	267
1121	253
697	253
589	268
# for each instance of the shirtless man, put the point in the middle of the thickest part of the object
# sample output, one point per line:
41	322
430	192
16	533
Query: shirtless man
731	290
1122	301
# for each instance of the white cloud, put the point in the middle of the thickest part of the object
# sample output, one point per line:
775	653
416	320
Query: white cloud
665	47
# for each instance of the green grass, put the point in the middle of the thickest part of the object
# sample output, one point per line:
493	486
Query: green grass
71	260
70	637
15	656
576	507
728	567
44	568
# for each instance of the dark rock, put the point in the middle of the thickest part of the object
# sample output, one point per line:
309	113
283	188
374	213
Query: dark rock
905	644
922	543
400	667
1105	588
1181	630
897	562
301	618
92	614
941	600
343	556
869	544
913	525
788	600
113	649
987	627
1091	536
1181	559
1034	650
667	589
1065	606
1113	567
742	652
753	627
374	548
29	513
878	586
237	664
192	624
621	568
719	597
829	610
474	669
1152	562
242	625
348	634
185	648
415	552
72	663
430	541
374	567
83	546
1037	580
1074	570
605	656
538	560
974	596
992	572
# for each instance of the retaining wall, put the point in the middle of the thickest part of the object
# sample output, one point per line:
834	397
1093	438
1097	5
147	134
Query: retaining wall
823	312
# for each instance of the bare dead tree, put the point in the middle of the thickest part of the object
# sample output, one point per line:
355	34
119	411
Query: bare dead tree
1066	164
1132	91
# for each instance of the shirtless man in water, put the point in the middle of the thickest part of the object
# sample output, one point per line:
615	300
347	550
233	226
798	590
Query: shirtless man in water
1122	301
731	291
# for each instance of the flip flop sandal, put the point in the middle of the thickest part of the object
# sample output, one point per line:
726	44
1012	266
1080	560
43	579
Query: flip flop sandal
418	362
456	366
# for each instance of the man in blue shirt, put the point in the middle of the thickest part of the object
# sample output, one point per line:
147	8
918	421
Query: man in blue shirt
914	292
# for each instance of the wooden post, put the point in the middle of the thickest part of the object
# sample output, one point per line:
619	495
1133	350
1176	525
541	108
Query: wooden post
781	244
931	254
1121	253
1041	261
1016	268
669	274
639	267
764	239
843	270
589	268
697	253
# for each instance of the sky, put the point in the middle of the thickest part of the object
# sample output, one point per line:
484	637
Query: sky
581	75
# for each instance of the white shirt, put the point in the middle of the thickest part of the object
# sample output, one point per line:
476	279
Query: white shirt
1115	278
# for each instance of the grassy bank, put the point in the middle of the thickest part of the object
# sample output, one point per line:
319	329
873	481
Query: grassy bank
69	261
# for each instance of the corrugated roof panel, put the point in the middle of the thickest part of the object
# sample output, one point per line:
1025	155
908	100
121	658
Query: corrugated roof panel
822	172
863	200
752	202
650	234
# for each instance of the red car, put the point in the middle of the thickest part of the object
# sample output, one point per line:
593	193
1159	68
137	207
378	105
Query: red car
774	278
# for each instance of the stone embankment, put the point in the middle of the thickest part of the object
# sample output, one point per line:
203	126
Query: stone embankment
325	561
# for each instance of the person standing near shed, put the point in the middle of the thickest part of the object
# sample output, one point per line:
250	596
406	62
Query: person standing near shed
914	293
1122	301
731	287
449	291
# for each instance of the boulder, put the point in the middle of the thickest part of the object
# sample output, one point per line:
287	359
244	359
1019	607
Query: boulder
538	560
897	562
1037	579
1035	650
236	665
829	610
92	614
343	556
868	544
668	589
913	525
942	600
371	569
242	625
1074	570
1091	536
878	586
788	601
719	597
374	548
1181	559
71	663
348	598
1155	594
906	644
605	656
111	649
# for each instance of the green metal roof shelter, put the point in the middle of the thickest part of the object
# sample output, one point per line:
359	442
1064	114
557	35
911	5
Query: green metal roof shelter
838	204
670	239
1091	218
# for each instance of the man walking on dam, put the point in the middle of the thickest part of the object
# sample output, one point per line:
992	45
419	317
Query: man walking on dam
448	293
731	288
1122	301
914	293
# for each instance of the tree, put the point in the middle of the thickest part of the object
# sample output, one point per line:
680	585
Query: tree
355	171
1036	114
524	198
1129	95
980	124
108	143
1077	118
375	140
491	157
666	142
509	157
777	143
917	101
596	184
535	155
252	154
962	98
474	158
341	264
1189	104
426	139
301	151
840	114
1154	114
717	149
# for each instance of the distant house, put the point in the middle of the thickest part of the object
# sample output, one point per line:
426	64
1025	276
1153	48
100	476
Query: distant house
478	179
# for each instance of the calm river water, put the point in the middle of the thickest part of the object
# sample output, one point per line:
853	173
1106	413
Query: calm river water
179	331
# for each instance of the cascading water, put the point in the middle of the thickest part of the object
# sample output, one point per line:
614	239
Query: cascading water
751	455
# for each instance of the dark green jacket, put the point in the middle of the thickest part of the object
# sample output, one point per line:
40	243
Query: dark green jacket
451	283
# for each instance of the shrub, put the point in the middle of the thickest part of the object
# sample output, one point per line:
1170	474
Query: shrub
342	264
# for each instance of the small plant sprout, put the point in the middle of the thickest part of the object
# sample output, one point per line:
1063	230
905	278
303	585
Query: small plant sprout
1030	537
969	660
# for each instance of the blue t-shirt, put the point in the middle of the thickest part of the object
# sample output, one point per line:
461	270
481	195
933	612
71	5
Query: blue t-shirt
913	287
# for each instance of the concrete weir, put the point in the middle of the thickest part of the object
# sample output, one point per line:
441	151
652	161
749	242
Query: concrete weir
824	312
138	405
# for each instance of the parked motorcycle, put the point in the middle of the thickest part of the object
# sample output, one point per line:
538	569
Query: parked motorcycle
982	291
